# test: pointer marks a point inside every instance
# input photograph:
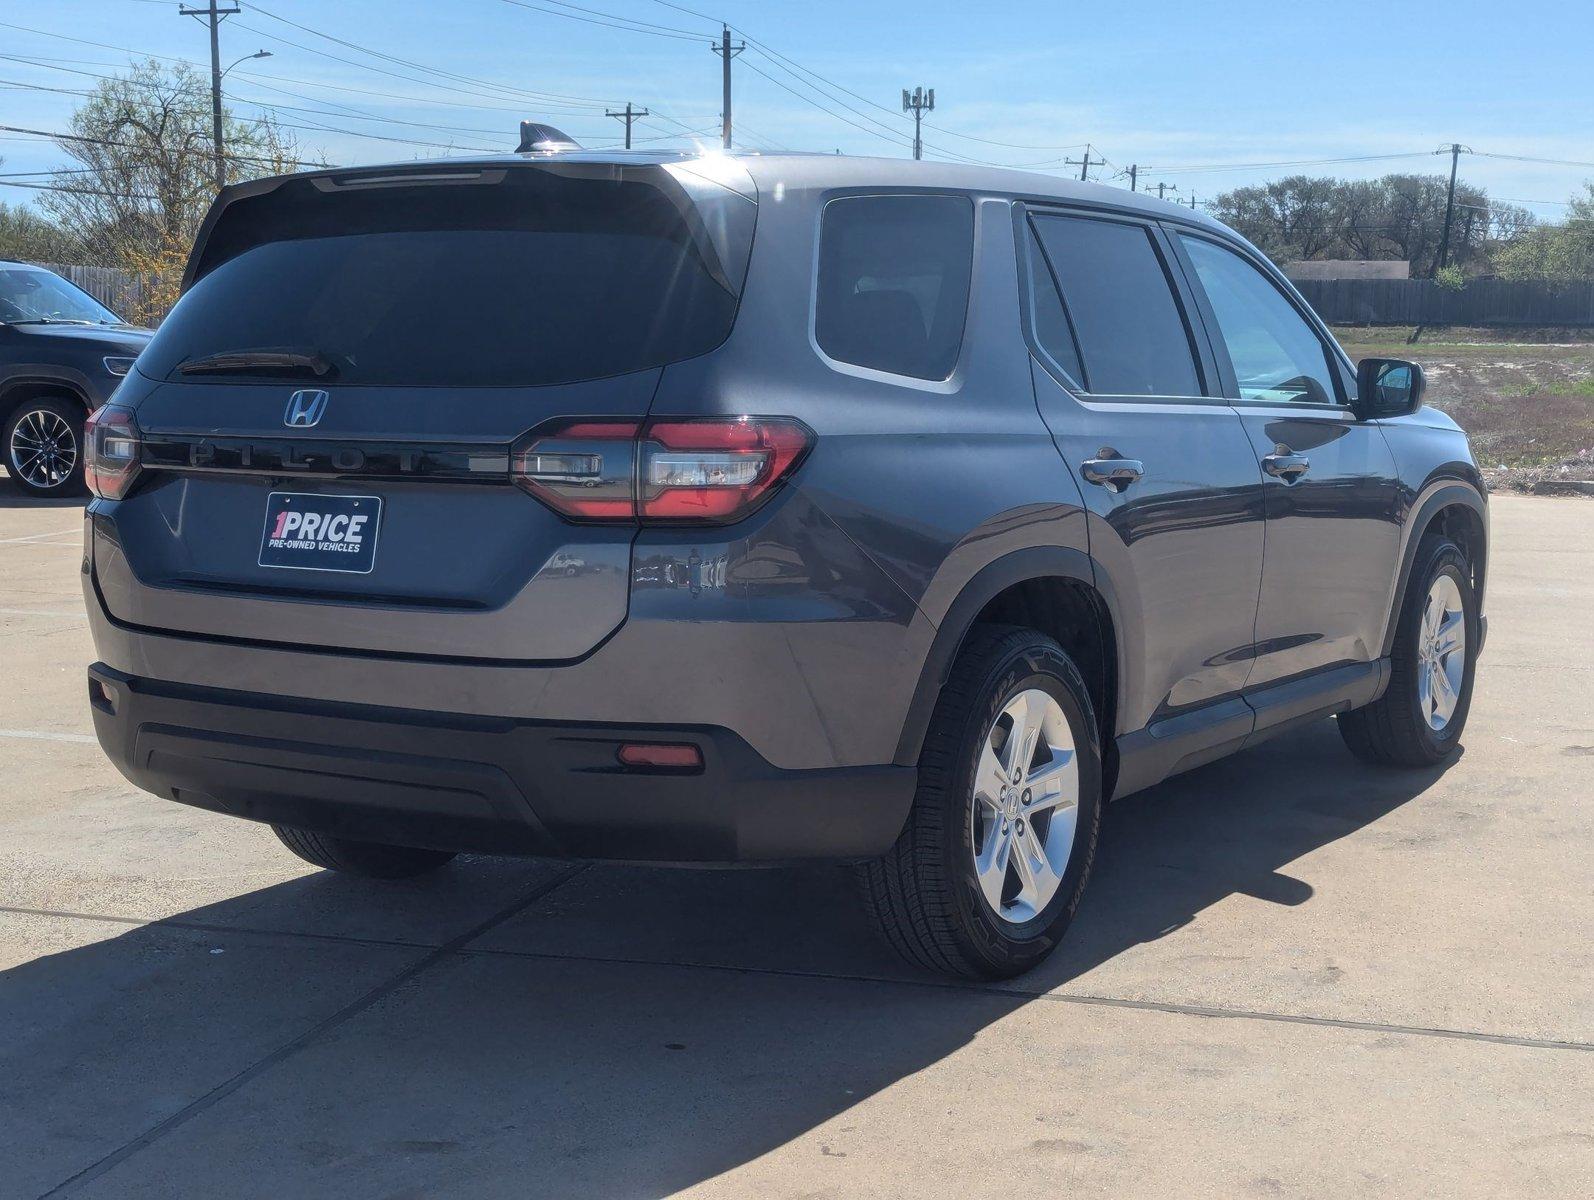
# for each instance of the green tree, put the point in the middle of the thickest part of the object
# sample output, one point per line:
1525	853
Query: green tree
1564	251
1398	216
25	235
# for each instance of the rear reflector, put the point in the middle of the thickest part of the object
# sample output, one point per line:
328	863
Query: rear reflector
673	470
675	756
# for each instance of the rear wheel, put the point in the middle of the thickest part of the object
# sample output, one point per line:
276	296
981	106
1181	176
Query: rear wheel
370	859
987	874
43	443
1418	720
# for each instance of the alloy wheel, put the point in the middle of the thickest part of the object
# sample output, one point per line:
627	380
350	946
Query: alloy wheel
1441	653
1026	806
44	448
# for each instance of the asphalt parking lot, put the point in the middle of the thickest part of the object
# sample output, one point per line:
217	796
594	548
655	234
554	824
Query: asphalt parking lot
1293	975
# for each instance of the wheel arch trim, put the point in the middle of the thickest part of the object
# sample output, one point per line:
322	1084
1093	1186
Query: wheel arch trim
1436	496
996	577
63	378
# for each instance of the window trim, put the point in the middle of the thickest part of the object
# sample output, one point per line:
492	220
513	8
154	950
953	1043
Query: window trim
1206	367
1334	357
954	379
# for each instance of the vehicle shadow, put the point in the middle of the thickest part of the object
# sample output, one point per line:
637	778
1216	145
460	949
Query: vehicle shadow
634	1032
12	496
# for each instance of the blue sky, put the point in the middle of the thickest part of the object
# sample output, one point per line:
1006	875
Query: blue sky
1219	85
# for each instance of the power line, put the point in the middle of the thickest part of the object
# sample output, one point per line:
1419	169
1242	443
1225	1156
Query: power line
629	24
1299	162
77	191
74	137
751	67
1554	162
311	128
496	91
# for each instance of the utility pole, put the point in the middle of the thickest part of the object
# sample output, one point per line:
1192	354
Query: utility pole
727	52
214	15
1134	175
918	102
630	114
1455	150
1163	188
1192	200
1085	164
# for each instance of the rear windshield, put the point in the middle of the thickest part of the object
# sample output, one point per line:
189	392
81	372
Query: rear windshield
523	276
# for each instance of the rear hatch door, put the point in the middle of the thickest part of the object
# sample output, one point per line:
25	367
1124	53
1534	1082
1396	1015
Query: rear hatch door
328	415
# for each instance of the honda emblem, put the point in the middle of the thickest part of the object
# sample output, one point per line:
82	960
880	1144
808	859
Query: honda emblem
305	408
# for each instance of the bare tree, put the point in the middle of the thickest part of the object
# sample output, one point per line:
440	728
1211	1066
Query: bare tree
1291	217
1361	211
143	179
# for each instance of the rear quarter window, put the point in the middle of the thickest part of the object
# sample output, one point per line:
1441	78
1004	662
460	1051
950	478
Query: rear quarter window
893	290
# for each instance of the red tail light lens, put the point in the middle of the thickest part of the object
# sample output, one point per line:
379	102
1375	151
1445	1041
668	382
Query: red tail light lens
674	470
111	451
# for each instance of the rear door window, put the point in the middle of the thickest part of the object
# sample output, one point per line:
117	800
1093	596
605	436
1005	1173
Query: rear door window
1131	335
894	282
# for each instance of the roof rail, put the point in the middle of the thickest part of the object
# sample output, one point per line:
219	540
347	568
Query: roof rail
544	139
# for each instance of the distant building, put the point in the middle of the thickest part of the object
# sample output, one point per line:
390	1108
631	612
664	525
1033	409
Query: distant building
1349	268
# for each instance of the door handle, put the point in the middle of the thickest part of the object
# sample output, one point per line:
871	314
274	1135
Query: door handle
1114	473
1286	466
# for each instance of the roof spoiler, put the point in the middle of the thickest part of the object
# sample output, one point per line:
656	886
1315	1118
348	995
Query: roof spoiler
544	139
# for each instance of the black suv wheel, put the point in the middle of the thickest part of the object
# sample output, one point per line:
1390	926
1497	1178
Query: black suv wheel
1418	720
43	442
988	872
370	859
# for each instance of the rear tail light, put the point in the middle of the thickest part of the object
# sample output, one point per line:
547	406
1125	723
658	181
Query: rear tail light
584	470
111	451
669	471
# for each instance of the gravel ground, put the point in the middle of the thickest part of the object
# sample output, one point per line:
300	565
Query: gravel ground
1525	397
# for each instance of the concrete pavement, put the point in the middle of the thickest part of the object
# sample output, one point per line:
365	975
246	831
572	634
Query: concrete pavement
1292	975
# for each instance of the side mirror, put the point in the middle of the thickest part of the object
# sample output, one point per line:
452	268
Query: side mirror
1388	387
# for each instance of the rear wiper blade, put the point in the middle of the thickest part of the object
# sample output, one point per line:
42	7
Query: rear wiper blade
252	362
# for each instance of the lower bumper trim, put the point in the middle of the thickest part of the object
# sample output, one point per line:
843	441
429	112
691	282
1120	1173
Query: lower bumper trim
486	784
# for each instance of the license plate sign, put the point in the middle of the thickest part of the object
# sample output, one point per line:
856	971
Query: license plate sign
306	531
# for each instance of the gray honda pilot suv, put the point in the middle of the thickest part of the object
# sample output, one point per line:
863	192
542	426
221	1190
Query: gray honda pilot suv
736	509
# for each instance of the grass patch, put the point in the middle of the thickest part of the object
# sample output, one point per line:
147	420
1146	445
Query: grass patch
1525	403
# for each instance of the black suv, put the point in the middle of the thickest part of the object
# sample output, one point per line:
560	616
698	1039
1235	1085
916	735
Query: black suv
722	509
62	353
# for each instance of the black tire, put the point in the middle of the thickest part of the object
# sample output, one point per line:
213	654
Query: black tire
369	859
54	411
924	895
1393	730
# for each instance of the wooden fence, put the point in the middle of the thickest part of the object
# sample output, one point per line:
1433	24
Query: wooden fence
120	291
1424	302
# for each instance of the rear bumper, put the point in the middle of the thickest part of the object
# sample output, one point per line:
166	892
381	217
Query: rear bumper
486	784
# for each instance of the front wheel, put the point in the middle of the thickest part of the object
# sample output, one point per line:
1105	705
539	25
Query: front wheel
988	872
43	441
1418	720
